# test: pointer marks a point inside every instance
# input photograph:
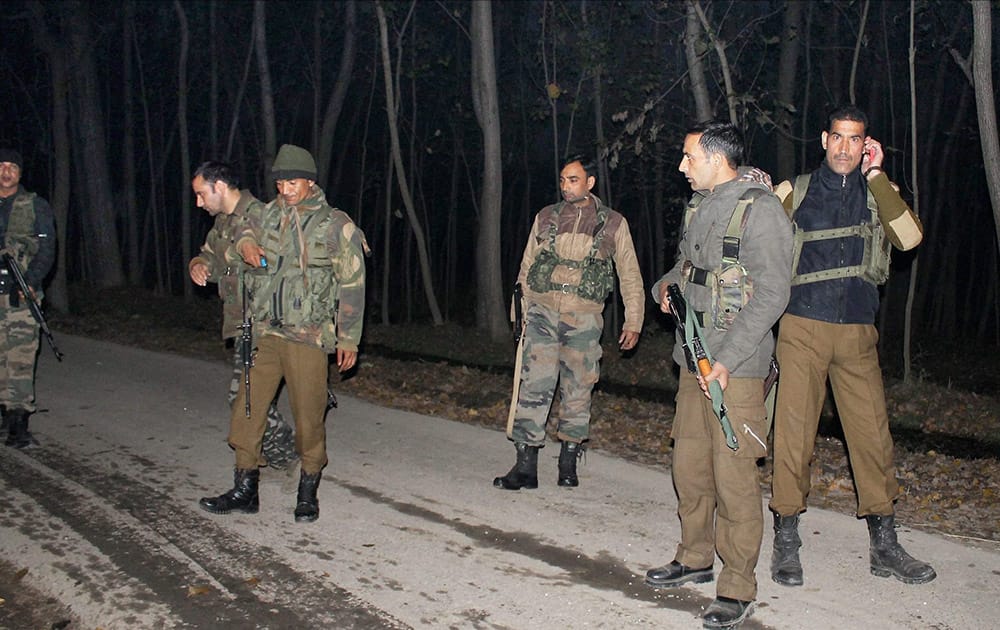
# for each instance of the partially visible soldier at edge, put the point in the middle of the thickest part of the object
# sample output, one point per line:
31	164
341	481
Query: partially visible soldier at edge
566	275
217	190
308	303
845	212
27	230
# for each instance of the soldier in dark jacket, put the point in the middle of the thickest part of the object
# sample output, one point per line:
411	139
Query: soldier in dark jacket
27	229
847	215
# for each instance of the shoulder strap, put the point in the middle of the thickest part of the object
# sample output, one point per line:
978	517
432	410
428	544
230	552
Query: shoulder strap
799	192
737	223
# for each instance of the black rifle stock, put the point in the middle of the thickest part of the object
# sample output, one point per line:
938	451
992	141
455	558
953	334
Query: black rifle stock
33	306
678	308
518	312
246	345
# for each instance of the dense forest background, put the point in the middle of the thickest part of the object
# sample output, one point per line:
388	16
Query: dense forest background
439	127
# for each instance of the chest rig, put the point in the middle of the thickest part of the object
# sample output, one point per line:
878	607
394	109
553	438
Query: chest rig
875	261
596	274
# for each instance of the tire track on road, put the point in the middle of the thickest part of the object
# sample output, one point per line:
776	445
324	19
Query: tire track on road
167	546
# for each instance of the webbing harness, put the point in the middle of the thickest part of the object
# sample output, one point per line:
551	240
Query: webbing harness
874	262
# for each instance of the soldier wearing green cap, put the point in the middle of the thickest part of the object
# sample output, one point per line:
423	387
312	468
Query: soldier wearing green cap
307	292
27	232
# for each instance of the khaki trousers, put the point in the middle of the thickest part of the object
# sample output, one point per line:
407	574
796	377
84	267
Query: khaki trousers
718	490
305	369
808	352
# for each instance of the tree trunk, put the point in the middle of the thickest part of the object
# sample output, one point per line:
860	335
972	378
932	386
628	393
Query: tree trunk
336	103
911	287
266	91
787	85
696	67
128	150
857	51
185	183
720	51
213	80
489	294
98	222
57	295
397	155
982	42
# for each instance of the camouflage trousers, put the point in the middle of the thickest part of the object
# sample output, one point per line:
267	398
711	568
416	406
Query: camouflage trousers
19	350
564	350
278	447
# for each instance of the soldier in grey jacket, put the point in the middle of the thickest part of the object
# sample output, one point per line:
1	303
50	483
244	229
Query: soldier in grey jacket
718	490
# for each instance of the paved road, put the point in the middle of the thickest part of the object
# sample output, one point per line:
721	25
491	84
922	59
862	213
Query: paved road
104	517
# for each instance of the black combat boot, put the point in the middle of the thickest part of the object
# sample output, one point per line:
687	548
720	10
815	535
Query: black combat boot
242	498
785	566
570	452
889	558
524	474
307	505
726	612
18	435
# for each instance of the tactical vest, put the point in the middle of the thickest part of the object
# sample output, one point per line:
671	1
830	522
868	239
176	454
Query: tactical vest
20	238
596	274
875	261
730	283
286	296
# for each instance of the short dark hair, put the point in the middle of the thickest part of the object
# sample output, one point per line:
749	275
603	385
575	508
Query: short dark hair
587	162
212	172
847	112
723	138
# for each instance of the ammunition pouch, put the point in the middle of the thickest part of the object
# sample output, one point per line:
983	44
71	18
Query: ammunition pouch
731	287
596	274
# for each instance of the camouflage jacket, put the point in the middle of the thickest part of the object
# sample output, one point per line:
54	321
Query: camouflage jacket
312	290
27	231
225	267
575	227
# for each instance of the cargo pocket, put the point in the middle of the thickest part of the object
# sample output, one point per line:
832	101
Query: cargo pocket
750	426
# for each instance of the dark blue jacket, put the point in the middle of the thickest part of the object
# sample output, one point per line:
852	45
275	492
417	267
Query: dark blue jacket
833	201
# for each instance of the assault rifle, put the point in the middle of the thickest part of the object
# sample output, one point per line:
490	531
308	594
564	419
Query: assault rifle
246	343
518	312
29	297
699	361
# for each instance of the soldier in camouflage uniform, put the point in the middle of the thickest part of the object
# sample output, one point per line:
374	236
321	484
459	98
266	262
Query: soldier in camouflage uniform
566	274
216	187
27	229
308	303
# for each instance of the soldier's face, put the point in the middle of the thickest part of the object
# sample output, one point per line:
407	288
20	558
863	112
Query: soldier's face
208	196
574	183
10	176
697	165
293	191
845	145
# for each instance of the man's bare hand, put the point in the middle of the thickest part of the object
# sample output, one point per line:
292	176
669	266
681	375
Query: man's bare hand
719	373
346	359
628	340
199	274
252	254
